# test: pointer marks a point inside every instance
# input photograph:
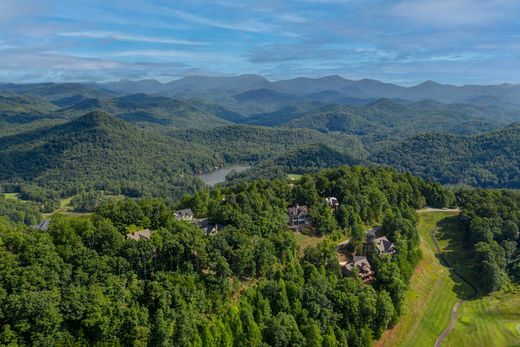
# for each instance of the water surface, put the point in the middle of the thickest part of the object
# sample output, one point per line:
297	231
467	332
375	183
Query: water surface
219	175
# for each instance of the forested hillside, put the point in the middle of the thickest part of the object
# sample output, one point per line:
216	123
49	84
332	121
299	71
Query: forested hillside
98	151
82	282
43	142
246	143
485	160
492	220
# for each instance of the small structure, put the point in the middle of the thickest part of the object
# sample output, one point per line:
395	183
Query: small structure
361	263
384	246
42	226
208	228
333	203
299	217
145	234
185	214
371	234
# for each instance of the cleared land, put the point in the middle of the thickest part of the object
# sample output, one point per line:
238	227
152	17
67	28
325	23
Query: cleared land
491	320
12	196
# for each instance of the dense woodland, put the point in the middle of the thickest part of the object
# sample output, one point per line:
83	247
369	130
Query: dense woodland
485	160
56	142
492	220
82	282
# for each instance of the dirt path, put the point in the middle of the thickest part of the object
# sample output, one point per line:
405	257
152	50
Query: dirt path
455	308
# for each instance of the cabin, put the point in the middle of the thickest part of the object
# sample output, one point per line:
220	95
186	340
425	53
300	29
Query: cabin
145	234
209	229
333	203
364	268
42	226
384	246
299	217
185	214
371	234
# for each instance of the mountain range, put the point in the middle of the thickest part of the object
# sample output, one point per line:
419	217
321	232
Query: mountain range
147	137
329	88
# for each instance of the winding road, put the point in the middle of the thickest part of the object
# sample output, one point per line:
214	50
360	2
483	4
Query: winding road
455	308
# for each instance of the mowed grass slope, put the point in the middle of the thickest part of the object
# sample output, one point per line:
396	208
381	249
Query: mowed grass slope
431	295
486	320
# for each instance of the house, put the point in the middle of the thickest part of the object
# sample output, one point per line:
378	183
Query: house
364	268
185	214
207	228
371	234
145	234
299	217
42	226
384	246
333	203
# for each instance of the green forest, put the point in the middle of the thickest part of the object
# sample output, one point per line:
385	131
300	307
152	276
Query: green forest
82	282
492	219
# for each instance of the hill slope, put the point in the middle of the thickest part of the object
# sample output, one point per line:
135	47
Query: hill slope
155	110
486	160
98	150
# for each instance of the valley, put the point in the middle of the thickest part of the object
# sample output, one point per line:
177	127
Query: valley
77	157
316	173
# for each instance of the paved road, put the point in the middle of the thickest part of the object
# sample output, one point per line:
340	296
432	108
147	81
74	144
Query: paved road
455	308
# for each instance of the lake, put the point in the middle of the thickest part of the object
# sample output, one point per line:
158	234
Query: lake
219	175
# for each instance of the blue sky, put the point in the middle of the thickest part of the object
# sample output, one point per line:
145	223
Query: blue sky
399	41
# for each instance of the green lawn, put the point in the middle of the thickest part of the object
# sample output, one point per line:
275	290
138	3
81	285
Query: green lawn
306	240
12	196
294	177
430	298
67	209
492	320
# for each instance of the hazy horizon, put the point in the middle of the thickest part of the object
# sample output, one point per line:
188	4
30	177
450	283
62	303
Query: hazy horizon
397	41
123	79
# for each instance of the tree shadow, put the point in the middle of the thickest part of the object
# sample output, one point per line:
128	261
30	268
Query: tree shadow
456	257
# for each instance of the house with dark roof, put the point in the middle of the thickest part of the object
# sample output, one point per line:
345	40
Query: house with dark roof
145	234
333	203
299	217
207	228
363	267
384	246
42	226
185	214
371	234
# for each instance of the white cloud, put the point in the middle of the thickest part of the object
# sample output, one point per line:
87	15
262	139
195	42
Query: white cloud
179	54
127	37
247	26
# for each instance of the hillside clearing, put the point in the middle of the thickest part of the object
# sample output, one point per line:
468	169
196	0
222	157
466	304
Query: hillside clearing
492	320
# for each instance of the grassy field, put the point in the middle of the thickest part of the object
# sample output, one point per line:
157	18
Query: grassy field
492	320
306	240
12	196
67	209
430	298
294	177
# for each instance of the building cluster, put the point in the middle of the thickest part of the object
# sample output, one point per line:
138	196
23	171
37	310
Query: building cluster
207	228
298	216
360	264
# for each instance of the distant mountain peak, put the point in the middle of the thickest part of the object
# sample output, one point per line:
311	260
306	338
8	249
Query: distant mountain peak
429	83
96	119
